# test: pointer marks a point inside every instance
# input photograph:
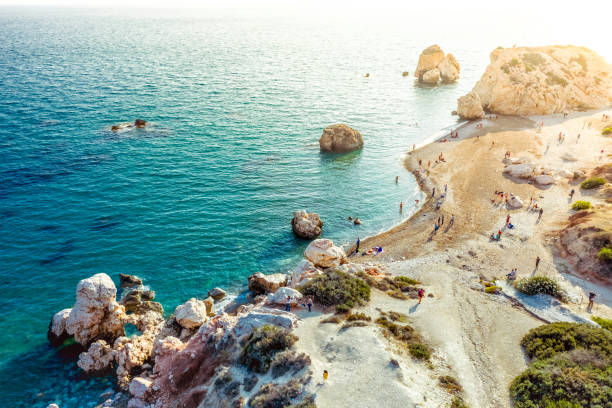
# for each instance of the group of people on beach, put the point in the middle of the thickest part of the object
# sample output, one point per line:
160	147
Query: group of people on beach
307	303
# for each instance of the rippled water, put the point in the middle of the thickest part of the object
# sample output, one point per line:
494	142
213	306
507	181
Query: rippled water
204	196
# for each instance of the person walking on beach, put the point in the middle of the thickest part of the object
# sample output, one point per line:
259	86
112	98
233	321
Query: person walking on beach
571	194
452	221
442	223
401	205
541	212
433	192
421	294
288	304
357	248
445	188
591	301
537	262
309	303
507	220
436	227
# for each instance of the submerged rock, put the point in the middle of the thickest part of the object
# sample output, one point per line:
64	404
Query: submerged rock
307	226
340	139
323	253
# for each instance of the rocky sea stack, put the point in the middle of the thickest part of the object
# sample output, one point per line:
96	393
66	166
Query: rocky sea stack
307	226
340	139
539	81
434	65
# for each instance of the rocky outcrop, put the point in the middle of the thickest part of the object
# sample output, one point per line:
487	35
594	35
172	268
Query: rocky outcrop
469	107
324	254
140	386
129	281
280	296
340	139
216	293
433	65
140	123
261	284
431	77
304	271
57	328
191	314
449	69
543	81
307	226
98	357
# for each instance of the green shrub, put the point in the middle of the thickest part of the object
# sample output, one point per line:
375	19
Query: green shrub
581	205
604	323
333	319
540	284
402	333
404	280
605	255
337	288
607	131
450	384
493	289
593	182
276	395
514	62
342	308
419	351
288	361
358	316
458	403
263	344
547	340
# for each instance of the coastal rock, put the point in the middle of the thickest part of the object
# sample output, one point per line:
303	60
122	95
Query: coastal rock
140	386
129	281
216	293
449	69
191	314
307	226
96	314
140	123
544	80
431	77
405	73
515	202
209	302
57	328
357	221
340	139
523	170
280	296
52	406
304	270
263	317
135	297
323	253
544	179
98	357
429	59
566	174
469	107
261	284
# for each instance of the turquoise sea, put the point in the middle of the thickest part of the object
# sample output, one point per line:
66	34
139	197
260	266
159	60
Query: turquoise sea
204	196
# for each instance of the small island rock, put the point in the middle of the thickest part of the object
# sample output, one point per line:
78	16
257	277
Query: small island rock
449	69
340	139
307	226
429	59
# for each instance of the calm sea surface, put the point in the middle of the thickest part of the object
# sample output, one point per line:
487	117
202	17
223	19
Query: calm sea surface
203	197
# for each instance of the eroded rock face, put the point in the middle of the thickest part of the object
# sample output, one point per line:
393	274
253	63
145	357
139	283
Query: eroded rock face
216	293
307	226
340	139
429	59
469	106
129	281
261	284
191	314
139	387
431	77
57	328
544	80
324	254
98	357
96	314
449	69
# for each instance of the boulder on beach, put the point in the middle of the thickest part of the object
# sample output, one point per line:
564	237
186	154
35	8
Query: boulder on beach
261	284
544	179
305	225
469	106
340	138
449	69
431	77
280	296
191	314
523	170
216	293
543	81
429	59
324	254
515	202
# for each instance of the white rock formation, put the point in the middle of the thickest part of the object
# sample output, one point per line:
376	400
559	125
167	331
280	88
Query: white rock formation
307	226
98	357
449	69
140	386
567	156
323	253
523	170
280	296
470	107
304	270
515	202
340	139
543	81
566	173
191	314
431	77
261	284
544	179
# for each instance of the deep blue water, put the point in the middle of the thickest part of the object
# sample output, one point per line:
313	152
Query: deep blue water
204	196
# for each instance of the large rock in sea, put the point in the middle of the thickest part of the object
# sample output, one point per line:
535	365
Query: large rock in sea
449	68
340	139
470	107
96	314
307	226
261	284
543	81
429	59
432	76
324	254
191	314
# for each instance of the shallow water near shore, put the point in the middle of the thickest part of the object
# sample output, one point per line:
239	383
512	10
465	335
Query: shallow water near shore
203	196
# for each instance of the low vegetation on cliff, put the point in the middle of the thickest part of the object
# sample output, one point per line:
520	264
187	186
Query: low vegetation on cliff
338	289
571	366
540	284
593	182
403	333
581	205
262	346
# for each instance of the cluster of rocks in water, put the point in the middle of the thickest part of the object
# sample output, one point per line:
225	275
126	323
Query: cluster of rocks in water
192	357
434	66
138	123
